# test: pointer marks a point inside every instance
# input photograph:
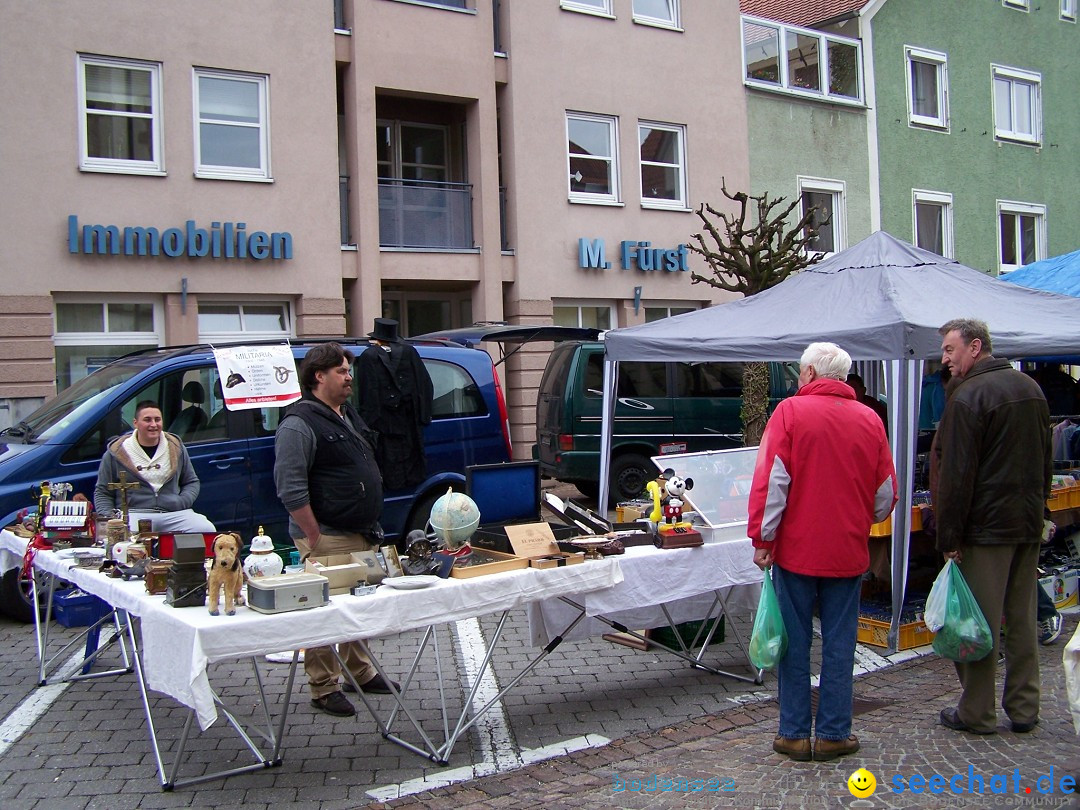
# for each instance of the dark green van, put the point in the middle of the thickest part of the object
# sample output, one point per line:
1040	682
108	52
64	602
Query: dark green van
662	408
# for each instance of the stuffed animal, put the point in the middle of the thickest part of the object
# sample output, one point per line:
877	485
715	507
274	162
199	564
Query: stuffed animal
226	574
675	487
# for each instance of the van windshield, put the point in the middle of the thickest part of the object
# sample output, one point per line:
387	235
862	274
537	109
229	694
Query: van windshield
56	414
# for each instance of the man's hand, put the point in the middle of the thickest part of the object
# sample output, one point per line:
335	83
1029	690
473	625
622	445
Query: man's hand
954	555
762	558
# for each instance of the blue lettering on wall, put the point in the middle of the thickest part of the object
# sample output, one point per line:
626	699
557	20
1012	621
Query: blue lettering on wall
634	255
228	240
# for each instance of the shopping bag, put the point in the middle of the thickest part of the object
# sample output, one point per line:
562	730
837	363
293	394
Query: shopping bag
934	613
769	638
964	635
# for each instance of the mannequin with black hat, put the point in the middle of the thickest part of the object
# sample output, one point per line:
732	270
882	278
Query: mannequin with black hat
395	400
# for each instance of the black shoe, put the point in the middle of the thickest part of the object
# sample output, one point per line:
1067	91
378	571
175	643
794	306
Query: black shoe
335	703
950	718
376	686
1025	728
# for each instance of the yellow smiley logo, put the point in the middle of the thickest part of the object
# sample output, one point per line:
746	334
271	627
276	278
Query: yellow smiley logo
862	783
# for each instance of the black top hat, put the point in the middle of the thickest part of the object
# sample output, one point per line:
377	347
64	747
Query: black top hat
386	330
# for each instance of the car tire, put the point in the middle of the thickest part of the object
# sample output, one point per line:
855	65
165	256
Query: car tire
630	473
589	489
15	598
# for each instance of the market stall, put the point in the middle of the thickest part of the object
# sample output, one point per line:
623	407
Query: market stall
881	300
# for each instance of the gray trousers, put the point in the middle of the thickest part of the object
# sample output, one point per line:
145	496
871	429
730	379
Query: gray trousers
1003	579
320	664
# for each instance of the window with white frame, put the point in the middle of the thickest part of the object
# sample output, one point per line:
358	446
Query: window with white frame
592	154
602	7
658	313
801	61
657	12
1022	234
827	199
223	321
928	87
932	219
232	122
570	313
662	148
89	334
119	115
1068	10
1023	5
1017	104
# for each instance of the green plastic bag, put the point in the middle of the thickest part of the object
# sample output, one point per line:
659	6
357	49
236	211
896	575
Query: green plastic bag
769	638
965	635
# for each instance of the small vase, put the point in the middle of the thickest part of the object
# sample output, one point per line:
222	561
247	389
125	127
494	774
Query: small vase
262	561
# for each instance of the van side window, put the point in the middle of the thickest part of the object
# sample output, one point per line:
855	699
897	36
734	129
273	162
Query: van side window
191	404
456	392
636	380
90	447
709	379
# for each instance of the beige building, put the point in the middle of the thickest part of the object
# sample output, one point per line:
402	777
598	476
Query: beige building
205	171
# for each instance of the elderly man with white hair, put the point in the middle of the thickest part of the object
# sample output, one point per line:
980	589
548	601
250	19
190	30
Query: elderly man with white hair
824	474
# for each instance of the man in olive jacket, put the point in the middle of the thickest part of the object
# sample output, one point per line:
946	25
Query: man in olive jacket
993	482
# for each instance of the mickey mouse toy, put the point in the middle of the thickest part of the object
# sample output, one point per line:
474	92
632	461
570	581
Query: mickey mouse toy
675	487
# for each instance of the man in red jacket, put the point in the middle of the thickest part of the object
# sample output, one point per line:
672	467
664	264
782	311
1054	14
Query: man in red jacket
824	474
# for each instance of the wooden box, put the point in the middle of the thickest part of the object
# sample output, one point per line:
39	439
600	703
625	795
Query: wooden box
485	561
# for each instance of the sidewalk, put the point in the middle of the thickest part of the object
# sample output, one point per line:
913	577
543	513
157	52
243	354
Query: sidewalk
896	722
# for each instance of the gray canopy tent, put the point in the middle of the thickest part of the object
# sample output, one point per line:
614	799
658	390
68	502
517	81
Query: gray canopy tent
880	300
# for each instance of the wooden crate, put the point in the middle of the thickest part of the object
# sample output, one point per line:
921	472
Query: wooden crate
501	562
876	633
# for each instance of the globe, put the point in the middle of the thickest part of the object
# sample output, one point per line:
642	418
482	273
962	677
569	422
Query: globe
454	518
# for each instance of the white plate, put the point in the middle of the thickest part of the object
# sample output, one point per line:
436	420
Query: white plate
410	583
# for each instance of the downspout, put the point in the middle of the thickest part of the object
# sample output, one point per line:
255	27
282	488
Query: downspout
866	34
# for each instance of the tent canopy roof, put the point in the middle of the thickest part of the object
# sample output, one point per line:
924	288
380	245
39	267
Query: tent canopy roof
882	299
1058	274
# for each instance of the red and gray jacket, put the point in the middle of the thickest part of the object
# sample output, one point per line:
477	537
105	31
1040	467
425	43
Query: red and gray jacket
824	474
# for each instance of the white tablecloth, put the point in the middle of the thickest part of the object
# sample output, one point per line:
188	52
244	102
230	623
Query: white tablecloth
681	579
12	549
179	643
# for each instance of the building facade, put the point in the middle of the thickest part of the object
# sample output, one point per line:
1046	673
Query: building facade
270	169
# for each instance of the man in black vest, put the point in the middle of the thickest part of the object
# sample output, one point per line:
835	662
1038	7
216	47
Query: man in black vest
328	480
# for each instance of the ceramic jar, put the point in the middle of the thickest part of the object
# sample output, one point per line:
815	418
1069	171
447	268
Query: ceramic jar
262	561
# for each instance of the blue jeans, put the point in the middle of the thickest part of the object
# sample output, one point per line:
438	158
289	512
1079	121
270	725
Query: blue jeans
1044	606
837	600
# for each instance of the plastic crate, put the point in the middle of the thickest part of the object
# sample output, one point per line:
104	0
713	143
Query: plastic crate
666	636
876	633
884	529
74	608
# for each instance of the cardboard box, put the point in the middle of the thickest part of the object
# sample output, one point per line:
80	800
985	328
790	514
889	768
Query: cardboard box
1062	588
346	570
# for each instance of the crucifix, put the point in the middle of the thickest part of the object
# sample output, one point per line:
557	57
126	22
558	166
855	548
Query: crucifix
124	485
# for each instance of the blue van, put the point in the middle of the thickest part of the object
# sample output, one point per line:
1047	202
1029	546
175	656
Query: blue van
233	451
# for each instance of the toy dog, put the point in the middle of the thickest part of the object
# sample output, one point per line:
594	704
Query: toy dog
225	574
675	487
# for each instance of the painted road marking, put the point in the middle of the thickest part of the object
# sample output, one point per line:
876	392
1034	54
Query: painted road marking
23	716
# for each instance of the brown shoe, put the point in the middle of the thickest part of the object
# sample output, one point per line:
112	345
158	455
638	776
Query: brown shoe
798	750
827	750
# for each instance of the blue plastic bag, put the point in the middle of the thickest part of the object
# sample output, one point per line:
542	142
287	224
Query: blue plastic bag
768	641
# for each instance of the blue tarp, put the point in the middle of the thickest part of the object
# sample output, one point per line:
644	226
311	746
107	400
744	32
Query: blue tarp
1058	274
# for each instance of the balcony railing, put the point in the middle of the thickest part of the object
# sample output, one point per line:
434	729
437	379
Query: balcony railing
343	205
425	214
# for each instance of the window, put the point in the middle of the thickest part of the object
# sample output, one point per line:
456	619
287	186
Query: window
1068	10
655	313
663	165
708	379
1022	234
120	115
220	322
593	157
636	380
231	126
1017	105
826	197
928	88
801	61
1021	5
597	317
602	7
411	151
91	334
932	221
657	12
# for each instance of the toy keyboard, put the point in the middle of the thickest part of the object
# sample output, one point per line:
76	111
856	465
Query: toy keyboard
67	514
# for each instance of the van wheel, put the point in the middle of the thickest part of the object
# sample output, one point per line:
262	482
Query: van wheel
590	489
15	598
629	475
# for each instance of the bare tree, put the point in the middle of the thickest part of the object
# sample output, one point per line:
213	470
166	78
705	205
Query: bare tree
749	257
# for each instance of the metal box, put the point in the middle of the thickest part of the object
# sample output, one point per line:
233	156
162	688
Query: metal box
285	592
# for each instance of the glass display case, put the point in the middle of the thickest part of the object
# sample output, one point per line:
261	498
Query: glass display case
721	492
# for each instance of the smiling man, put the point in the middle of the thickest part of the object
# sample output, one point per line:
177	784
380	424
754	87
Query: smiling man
994	476
160	463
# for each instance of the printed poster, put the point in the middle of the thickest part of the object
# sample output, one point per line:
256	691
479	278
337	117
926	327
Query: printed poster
257	376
